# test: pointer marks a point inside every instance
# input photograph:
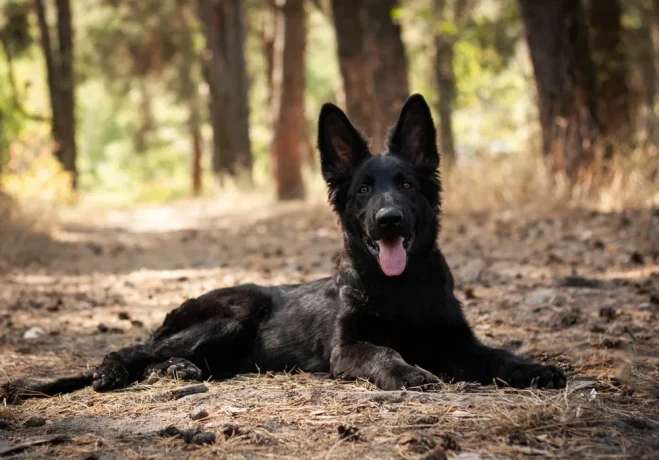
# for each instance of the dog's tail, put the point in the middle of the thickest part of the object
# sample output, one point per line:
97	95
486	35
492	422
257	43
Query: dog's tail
16	391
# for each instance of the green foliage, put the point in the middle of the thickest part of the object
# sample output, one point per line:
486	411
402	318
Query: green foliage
15	27
492	93
139	77
15	40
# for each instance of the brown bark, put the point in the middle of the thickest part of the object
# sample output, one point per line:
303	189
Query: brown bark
445	77
67	148
655	33
653	76
268	37
189	94
195	136
609	57
557	36
357	78
289	144
373	64
387	59
61	84
226	74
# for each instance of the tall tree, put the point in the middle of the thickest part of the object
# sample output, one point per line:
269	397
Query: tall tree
61	82
226	73
269	32
388	61
290	126
373	63
454	13
605	20
651	22
357	76
189	94
557	35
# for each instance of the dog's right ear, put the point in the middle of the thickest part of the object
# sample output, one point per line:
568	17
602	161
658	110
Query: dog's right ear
342	148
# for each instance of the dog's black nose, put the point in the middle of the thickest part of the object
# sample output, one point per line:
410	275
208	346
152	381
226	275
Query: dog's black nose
389	217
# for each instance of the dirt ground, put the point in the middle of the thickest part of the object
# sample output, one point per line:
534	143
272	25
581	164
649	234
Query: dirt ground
576	288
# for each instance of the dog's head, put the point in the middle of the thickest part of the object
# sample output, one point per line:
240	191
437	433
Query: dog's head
389	203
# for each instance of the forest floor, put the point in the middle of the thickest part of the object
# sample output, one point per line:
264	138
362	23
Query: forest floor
576	288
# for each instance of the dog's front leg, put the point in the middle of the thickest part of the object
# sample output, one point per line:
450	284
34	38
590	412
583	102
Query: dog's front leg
380	365
492	365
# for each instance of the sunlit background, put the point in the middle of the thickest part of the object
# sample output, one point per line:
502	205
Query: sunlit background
142	100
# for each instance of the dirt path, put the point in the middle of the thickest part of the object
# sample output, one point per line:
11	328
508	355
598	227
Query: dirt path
105	280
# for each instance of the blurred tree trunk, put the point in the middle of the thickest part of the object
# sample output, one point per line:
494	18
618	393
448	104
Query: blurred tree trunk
610	61
373	64
226	74
61	83
194	126
444	71
189	94
290	127
386	57
141	140
654	27
357	78
655	33
268	36
557	35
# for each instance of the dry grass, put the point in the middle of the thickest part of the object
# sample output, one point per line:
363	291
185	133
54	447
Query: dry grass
24	232
490	183
301	416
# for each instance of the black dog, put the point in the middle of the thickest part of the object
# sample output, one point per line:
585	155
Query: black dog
388	315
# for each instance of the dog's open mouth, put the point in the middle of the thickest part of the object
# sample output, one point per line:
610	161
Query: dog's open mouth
391	252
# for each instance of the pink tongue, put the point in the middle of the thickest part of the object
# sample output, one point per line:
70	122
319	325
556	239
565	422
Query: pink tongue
392	256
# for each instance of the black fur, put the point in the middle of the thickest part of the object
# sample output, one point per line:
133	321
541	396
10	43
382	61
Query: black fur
396	331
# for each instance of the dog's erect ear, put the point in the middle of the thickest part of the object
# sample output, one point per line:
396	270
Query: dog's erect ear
341	146
414	135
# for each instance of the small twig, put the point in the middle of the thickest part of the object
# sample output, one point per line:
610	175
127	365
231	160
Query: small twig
189	390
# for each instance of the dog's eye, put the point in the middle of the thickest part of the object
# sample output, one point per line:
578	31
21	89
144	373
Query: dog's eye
406	185
364	189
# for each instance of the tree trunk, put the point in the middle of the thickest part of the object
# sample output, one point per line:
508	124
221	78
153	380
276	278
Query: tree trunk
357	78
610	61
445	78
653	76
195	137
373	64
289	144
646	119
189	95
655	33
387	59
557	35
226	74
61	83
67	148
268	36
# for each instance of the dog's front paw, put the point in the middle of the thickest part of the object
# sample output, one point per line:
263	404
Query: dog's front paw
176	368
406	376
537	376
110	375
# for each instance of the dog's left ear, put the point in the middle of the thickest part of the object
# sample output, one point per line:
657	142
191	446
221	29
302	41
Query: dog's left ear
414	136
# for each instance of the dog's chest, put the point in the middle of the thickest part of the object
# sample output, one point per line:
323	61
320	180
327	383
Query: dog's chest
418	327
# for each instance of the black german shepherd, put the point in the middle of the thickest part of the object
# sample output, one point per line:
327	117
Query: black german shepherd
388	314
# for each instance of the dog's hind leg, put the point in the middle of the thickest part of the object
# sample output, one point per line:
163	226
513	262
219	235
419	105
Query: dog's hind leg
211	336
182	354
